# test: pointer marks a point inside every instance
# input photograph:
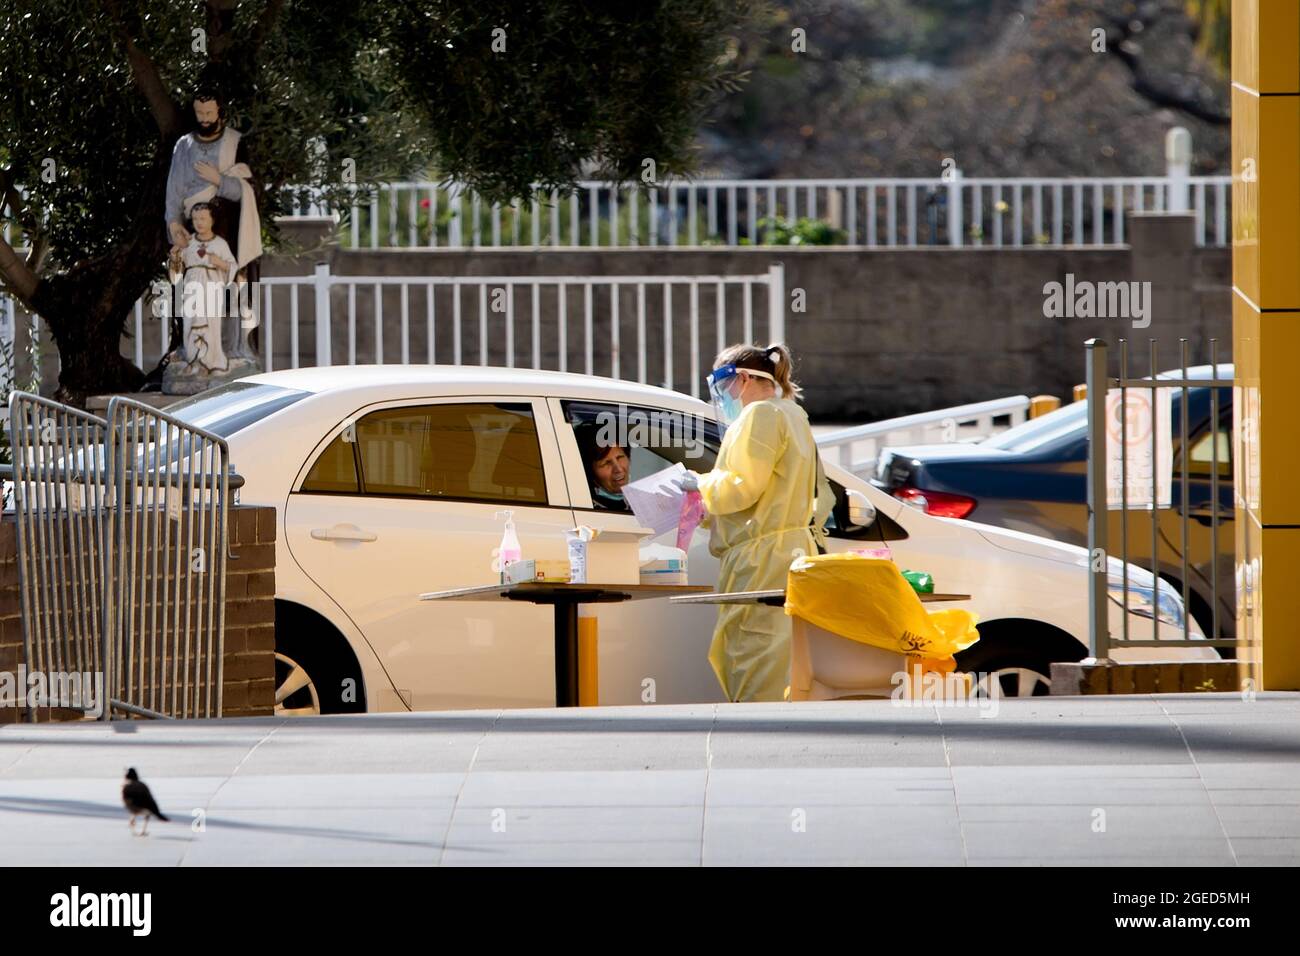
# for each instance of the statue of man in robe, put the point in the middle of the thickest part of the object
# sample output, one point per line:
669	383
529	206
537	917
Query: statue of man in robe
210	167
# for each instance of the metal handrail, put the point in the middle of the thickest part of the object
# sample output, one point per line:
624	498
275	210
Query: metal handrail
958	413
235	479
1016	406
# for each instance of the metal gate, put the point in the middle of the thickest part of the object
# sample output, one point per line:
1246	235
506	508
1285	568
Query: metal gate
1117	496
165	556
122	552
59	505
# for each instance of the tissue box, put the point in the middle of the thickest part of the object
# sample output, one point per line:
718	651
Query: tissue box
675	575
537	569
663	565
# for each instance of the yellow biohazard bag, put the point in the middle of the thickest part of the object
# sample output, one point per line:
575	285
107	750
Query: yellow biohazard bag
868	600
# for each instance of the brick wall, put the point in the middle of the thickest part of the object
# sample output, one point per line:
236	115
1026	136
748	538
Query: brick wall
249	661
249	688
1153	677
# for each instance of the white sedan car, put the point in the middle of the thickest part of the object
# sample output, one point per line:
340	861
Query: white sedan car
389	481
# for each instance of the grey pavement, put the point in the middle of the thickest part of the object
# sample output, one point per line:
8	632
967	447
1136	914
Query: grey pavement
1174	780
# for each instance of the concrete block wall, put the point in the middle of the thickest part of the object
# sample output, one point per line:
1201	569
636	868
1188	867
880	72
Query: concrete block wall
887	331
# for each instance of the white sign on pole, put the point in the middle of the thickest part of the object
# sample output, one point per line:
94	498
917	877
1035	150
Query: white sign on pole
1150	466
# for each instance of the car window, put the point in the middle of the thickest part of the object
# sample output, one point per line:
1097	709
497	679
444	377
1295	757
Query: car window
653	439
471	452
1037	432
396	449
1203	454
335	471
232	407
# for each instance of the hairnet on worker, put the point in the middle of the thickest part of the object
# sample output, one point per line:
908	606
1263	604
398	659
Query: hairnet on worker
767	502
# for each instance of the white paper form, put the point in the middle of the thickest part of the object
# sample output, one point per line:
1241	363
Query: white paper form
656	499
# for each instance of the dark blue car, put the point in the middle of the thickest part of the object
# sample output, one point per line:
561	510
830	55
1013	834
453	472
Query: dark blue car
1032	478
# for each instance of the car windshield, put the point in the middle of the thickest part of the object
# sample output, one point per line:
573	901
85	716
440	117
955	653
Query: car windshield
1039	431
233	407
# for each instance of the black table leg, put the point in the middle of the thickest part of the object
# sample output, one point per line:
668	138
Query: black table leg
566	654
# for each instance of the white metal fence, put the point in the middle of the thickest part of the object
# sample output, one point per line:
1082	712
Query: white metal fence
947	210
858	447
950	210
659	329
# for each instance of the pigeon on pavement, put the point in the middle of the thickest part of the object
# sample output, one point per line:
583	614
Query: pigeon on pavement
139	801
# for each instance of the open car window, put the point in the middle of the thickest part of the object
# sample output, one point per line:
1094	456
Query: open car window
654	439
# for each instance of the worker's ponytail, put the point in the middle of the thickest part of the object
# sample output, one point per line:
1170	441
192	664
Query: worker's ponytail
782	370
775	360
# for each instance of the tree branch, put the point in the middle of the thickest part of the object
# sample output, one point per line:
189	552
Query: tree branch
15	274
265	24
166	114
38	253
38	242
10	197
1127	51
220	26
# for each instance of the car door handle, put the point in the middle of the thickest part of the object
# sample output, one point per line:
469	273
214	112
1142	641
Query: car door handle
343	533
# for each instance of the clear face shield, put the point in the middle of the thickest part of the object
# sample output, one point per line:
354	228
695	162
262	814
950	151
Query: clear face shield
725	384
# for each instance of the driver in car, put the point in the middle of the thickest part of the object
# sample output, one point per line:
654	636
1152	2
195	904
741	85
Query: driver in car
608	469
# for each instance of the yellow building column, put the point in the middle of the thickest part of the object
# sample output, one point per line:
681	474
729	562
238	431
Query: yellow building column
1266	332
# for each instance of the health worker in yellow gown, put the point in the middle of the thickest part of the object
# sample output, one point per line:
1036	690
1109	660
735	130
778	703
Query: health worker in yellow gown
767	500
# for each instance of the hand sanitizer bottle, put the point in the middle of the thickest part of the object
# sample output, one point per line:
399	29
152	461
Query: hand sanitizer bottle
509	552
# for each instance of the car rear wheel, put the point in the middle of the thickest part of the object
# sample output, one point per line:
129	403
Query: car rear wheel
295	691
1014	682
1014	658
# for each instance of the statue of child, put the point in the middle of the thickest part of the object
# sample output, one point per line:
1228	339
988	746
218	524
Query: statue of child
205	267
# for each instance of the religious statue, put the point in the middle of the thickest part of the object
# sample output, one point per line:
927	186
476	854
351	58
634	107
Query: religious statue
205	268
209	191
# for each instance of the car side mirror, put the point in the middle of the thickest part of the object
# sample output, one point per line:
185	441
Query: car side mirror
862	513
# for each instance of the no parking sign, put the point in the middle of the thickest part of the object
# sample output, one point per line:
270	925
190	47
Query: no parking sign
1131	418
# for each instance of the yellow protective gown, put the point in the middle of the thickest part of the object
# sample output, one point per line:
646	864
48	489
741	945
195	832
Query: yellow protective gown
761	496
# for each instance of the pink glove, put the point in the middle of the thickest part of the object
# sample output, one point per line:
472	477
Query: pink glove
691	516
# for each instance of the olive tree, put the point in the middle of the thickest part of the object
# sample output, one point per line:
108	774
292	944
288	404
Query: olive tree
498	95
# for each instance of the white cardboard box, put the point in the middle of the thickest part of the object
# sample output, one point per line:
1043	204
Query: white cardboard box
614	557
